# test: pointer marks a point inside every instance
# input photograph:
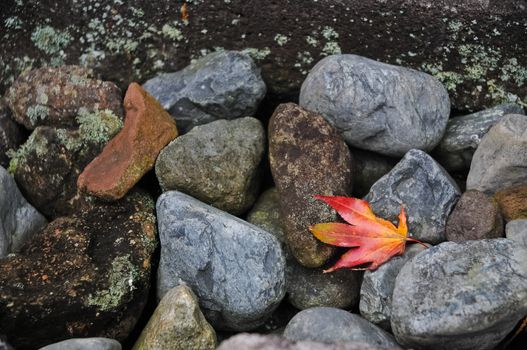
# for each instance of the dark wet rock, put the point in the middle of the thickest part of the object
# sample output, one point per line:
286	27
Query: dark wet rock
235	268
55	96
513	202
376	106
86	275
475	216
471	46
217	163
247	341
18	219
331	325
500	161
425	189
266	214
85	344
516	230
47	165
177	323
467	295
463	135
377	288
221	85
11	135
368	167
307	158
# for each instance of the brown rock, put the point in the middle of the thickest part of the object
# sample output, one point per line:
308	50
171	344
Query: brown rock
86	275
307	158
475	216
513	202
129	155
55	96
11	135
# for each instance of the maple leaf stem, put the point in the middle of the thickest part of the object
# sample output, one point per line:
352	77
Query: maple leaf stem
416	241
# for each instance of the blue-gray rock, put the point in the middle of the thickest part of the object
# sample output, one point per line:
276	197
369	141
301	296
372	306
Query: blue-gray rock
236	269
18	219
377	288
85	344
221	85
247	341
463	135
500	161
461	296
516	230
376	106
217	163
331	325
425	189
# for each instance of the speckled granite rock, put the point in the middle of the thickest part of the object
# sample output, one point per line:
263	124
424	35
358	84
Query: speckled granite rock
513	202
516	230
221	85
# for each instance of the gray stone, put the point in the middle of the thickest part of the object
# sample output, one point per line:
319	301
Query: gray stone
18	219
368	167
85	344
236	269
425	189
221	85
11	136
467	295
177	324
516	230
475	216
216	163
247	341
463	135
377	288
331	325
266	214
4	345
500	161
376	106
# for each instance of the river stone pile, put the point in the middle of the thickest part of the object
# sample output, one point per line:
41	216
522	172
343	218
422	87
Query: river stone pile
226	190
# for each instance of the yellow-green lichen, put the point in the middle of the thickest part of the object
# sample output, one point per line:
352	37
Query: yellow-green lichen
257	54
37	112
34	144
281	39
171	32
49	40
98	127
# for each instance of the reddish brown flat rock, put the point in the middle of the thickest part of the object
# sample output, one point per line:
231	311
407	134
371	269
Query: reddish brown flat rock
129	155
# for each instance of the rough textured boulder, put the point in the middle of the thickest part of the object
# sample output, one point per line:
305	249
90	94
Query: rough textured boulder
18	219
460	296
235	268
217	163
463	135
55	96
221	85
177	324
425	189
475	216
475	49
85	344
500	160
331	325
513	202
377	288
307	158
133	152
376	106
516	230
11	135
86	275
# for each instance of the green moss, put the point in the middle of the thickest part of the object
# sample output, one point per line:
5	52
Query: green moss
34	144
122	278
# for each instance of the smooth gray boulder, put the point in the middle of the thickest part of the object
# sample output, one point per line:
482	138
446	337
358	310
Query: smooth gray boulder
18	219
217	163
332	325
236	269
516	230
221	85
461	296
463	135
500	160
376	106
377	288
425	189
85	344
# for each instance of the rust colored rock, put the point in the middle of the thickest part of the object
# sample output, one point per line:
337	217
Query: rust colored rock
133	152
475	216
308	157
513	202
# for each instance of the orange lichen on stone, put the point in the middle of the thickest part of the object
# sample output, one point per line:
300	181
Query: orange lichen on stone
148	128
